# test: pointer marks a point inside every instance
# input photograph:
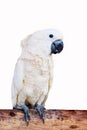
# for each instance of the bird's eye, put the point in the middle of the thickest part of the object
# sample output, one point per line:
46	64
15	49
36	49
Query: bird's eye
51	35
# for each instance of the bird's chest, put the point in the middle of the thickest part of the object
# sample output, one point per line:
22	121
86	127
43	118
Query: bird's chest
36	76
36	72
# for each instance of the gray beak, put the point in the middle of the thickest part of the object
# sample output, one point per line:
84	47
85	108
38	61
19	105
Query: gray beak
57	46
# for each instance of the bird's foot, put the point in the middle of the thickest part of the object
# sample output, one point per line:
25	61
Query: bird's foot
25	109
40	109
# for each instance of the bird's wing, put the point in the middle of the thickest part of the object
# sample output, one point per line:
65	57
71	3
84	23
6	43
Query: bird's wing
50	68
17	83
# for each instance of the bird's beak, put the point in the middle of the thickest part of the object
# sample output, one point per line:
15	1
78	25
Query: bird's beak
57	46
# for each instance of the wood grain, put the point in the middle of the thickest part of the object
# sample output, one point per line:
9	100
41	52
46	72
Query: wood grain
71	120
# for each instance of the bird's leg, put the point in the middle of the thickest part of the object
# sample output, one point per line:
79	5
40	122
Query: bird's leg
40	109
25	109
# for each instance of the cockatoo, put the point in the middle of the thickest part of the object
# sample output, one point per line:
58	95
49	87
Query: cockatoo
33	72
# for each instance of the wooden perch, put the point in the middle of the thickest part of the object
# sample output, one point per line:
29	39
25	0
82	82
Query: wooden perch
72	120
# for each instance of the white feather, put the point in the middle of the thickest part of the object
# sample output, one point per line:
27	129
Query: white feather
33	71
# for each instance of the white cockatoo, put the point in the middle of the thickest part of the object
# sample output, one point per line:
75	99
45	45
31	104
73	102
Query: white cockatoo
33	71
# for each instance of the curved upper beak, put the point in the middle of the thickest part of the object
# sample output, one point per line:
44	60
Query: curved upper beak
57	46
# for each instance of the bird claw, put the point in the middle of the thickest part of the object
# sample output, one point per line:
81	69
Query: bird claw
40	109
27	117
25	109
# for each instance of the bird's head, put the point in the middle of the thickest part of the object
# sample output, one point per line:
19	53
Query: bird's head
44	42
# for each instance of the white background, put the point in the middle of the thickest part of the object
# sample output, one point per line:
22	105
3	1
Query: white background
18	18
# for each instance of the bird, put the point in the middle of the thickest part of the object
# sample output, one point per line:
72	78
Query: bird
33	73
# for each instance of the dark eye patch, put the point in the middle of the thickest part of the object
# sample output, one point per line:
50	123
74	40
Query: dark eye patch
51	36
